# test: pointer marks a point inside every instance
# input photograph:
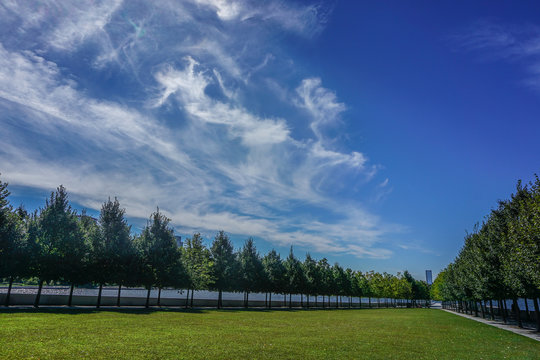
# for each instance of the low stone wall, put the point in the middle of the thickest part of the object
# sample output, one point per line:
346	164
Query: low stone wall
84	300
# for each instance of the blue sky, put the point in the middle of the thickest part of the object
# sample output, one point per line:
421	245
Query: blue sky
374	134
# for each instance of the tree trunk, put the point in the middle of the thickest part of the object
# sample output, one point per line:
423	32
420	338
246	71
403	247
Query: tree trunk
290	302
307	304
301	300
517	312
369	302
187	300
475	308
537	310
266	300
527	310
502	310
219	299
284	300
70	298
9	291
482	309
159	297
247	299
119	295
491	309
270	300
324	302
191	302
99	296
337	302
148	298
505	306
38	296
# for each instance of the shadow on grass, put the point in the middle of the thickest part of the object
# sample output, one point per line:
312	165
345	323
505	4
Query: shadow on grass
136	310
92	310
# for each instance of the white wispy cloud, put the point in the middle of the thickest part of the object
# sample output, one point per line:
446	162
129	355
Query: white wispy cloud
179	129
513	43
306	19
82	22
189	85
321	103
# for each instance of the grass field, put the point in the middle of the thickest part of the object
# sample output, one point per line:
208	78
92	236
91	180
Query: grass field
229	334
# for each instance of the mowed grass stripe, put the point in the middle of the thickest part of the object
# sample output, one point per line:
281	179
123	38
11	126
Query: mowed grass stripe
232	334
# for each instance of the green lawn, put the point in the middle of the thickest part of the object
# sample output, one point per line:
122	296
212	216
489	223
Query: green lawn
229	334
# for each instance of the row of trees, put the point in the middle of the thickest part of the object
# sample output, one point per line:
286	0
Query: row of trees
55	244
499	260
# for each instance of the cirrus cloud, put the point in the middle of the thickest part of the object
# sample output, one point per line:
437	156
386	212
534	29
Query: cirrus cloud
153	103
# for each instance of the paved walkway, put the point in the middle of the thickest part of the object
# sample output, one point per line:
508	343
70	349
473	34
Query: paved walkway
529	332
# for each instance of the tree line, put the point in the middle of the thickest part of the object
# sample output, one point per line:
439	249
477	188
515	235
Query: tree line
55	244
499	260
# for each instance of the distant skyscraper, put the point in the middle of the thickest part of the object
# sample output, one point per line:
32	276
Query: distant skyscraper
178	240
429	279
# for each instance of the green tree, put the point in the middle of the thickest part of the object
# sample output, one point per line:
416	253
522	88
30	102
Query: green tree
251	270
225	265
294	275
275	274
57	242
403	288
377	286
325	286
12	245
313	277
360	286
198	264
161	257
112	250
340	283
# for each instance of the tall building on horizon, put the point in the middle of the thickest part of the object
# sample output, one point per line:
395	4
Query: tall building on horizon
178	239
429	278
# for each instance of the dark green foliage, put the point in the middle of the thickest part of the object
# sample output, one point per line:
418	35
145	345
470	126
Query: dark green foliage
225	265
296	280
112	258
313	276
326	277
13	256
11	237
252	275
501	258
199	267
274	273
419	288
111	246
340	282
160	256
57	241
